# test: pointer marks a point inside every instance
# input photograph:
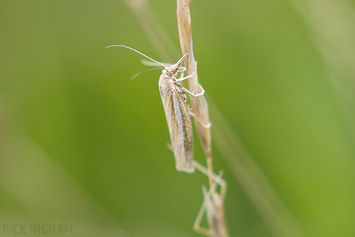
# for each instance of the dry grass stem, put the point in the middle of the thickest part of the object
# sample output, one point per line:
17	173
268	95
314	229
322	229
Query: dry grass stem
250	176
214	213
199	104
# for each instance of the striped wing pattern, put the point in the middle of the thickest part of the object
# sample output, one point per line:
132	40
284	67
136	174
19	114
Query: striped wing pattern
179	124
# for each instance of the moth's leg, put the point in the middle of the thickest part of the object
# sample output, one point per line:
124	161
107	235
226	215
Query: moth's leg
187	77
170	147
184	78
195	117
186	90
181	70
193	94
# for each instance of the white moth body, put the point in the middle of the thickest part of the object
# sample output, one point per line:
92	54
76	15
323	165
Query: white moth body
179	121
176	110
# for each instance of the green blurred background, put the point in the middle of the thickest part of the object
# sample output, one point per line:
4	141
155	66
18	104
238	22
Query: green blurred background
83	145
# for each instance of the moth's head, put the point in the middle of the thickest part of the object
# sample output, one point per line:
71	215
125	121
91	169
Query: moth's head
170	71
174	69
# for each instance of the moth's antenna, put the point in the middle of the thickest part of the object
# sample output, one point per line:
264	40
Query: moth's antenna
150	69
124	46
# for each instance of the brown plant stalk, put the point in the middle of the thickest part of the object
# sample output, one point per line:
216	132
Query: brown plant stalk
200	110
256	186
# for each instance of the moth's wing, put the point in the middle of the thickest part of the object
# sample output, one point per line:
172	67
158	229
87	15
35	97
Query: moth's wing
185	130
179	124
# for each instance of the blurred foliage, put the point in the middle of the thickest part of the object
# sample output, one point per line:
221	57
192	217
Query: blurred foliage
82	144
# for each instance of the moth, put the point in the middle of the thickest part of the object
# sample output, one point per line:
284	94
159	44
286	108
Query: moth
177	112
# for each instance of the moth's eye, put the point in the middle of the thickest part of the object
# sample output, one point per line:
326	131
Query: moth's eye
170	73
